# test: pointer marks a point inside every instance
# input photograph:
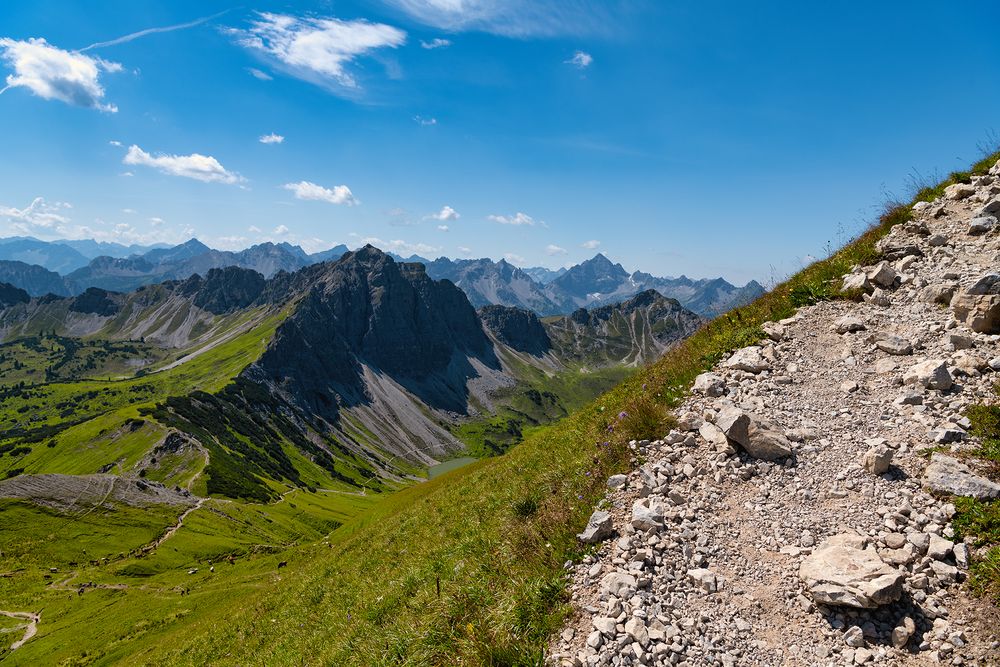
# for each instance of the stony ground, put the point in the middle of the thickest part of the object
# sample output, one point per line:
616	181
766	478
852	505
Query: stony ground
718	549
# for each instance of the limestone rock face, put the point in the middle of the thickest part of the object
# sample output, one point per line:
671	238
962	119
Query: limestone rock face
841	574
949	475
979	306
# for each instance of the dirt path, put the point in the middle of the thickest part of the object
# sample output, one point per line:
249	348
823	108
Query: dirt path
173	529
720	551
30	628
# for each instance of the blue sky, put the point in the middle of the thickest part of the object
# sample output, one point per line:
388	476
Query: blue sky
708	138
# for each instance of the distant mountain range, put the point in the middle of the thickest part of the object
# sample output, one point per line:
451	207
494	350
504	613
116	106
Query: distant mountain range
371	366
68	268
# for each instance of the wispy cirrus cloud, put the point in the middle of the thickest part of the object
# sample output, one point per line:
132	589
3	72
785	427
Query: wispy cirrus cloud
554	250
338	194
514	18
199	167
591	245
318	50
56	74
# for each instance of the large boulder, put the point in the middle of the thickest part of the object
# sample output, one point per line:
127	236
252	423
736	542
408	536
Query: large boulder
735	424
842	572
766	441
709	384
945	474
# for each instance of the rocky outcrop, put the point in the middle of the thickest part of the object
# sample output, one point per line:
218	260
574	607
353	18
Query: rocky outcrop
517	328
224	290
11	296
95	301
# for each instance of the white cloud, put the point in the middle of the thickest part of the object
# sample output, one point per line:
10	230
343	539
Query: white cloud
518	219
199	167
54	74
553	250
117	144
515	18
580	60
156	222
318	50
129	211
446	214
339	194
398	246
516	260
39	213
422	120
442	228
436	43
272	139
281	230
259	74
127	174
253	229
464	250
590	245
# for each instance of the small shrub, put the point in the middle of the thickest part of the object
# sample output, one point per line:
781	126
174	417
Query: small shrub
525	507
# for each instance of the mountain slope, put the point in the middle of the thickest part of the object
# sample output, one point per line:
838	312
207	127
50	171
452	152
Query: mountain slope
487	282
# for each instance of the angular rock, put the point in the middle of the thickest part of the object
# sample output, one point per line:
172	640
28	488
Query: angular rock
709	384
877	459
959	191
979	306
735	424
618	583
839	573
636	629
938	547
773	330
894	345
901	633
599	528
990	209
848	324
647	515
748	359
765	441
883	275
938	293
705	578
983	225
857	282
949	475
932	374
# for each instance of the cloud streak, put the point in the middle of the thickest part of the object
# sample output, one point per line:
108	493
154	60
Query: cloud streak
517	220
151	31
514	18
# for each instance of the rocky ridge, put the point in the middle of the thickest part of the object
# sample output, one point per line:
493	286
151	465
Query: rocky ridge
794	517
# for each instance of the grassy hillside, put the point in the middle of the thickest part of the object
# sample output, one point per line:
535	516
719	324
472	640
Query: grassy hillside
493	536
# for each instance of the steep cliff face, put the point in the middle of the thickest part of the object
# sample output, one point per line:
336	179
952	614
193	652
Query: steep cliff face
517	328
366	315
224	290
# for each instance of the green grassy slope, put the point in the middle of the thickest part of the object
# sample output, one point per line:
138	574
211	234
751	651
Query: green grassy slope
494	533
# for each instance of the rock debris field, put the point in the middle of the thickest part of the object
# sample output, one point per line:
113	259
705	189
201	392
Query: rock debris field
795	517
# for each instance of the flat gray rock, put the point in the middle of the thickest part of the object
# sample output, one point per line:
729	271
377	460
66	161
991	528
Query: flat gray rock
841	574
949	475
